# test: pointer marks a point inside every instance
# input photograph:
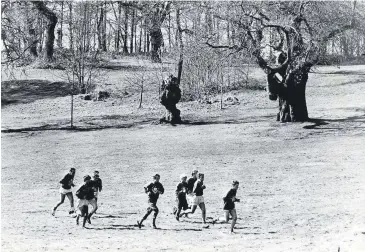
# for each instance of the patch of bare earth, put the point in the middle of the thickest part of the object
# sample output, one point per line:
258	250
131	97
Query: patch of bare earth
302	184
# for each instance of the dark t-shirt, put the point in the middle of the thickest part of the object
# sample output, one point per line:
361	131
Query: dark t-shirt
153	196
98	184
86	191
191	182
67	181
179	188
228	199
198	189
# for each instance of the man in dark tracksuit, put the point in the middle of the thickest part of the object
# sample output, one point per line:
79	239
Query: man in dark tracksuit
153	190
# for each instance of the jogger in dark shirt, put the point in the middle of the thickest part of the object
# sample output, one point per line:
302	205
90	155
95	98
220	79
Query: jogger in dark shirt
229	206
65	190
198	199
180	192
153	190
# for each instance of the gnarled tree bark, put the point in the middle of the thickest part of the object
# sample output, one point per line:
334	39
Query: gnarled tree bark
50	28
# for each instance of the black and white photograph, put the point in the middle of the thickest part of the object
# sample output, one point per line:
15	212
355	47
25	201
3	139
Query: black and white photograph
182	126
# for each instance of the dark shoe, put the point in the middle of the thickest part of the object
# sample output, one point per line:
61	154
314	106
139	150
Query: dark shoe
88	219
177	217
154	226
139	224
71	212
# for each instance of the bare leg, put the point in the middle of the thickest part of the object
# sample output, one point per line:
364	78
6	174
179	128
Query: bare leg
71	199
221	220
234	218
202	207
59	203
190	211
95	207
149	211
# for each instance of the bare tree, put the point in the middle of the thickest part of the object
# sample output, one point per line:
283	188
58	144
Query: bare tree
302	30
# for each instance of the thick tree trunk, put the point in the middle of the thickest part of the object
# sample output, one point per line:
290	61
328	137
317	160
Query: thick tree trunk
291	93
156	20
156	43
50	27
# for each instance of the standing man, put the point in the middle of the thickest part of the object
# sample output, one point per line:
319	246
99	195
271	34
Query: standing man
153	190
66	190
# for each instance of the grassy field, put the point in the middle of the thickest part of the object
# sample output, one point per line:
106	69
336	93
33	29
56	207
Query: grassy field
302	184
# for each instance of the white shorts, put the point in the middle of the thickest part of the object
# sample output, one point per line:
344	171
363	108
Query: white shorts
65	191
197	200
190	199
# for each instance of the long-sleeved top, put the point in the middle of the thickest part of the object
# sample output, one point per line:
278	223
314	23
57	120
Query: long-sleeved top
67	181
228	199
152	195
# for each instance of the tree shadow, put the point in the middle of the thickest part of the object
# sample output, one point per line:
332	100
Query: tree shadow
319	122
26	91
342	72
93	123
85	128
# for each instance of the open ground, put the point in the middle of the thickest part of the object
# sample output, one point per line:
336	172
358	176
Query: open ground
302	184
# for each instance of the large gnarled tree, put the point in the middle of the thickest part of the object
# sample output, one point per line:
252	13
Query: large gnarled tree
297	32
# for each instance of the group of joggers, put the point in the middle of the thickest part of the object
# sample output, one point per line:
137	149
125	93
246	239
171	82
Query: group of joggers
189	195
87	194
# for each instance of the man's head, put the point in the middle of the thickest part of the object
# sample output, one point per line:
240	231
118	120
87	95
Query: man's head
156	177
201	176
235	184
96	174
87	178
194	173
72	171
183	177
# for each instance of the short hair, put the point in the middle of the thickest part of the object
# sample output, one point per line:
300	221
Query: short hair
235	182
201	175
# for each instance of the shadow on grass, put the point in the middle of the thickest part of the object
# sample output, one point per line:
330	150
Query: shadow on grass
115	227
342	72
26	91
94	123
318	123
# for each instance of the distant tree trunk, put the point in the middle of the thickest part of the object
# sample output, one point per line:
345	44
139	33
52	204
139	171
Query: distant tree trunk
117	41
70	23
104	28
131	42
60	31
51	24
169	32
181	51
101	29
33	43
125	40
140	36
159	14
148	42
344	46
